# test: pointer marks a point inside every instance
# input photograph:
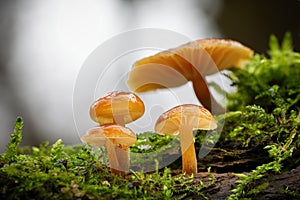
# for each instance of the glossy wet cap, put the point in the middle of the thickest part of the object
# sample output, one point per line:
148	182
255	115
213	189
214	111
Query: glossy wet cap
118	135
197	117
117	107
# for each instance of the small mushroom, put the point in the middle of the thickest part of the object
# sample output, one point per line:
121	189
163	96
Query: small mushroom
183	120
112	112
188	62
117	108
117	139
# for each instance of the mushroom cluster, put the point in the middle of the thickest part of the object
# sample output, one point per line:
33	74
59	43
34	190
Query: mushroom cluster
174	67
189	62
112	112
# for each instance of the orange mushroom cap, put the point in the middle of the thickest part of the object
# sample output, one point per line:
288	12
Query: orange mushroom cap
188	62
116	134
117	107
171	121
176	66
226	53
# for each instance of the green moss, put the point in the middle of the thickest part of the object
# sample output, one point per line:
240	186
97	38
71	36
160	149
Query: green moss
59	172
291	193
15	140
269	81
264	113
268	104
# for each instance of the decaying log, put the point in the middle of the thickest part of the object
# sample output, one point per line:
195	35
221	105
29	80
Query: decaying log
225	182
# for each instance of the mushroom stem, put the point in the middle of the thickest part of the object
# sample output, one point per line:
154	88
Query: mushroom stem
112	157
118	158
123	158
189	160
203	94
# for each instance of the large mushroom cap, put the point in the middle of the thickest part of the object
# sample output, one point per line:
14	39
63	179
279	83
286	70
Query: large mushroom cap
188	62
118	135
171	121
176	66
117	107
226	53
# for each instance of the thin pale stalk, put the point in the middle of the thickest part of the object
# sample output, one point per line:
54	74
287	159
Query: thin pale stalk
113	158
189	160
123	158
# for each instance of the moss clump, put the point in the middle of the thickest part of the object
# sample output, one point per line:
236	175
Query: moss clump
269	81
268	104
264	119
59	172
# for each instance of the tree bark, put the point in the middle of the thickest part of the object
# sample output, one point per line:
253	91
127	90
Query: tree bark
225	163
225	182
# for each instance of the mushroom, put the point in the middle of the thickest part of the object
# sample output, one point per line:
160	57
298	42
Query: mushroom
117	139
183	120
117	108
112	112
189	62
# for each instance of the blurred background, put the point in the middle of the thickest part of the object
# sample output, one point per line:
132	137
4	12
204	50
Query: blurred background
43	45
